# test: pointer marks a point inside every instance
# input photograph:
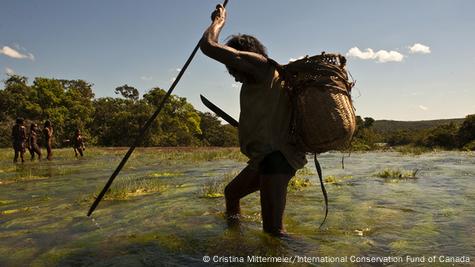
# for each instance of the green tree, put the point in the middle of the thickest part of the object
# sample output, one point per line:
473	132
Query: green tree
216	134
128	92
78	99
466	133
178	122
117	121
442	136
18	100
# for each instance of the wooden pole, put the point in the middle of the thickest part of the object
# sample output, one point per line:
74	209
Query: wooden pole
144	128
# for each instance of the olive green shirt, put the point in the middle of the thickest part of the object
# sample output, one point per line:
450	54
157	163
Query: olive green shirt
264	121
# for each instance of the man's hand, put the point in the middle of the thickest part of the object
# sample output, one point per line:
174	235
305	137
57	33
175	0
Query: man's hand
219	14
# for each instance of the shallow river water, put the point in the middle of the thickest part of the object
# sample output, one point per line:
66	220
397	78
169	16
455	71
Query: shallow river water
43	208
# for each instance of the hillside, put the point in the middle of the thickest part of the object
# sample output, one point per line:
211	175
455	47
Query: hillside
392	126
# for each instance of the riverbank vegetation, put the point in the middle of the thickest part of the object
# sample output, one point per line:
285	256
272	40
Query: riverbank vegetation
452	135
115	122
107	121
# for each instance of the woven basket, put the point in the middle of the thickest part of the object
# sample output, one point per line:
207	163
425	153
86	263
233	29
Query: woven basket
323	113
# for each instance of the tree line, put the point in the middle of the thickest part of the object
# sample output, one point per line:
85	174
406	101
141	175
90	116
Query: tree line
446	136
115	121
107	121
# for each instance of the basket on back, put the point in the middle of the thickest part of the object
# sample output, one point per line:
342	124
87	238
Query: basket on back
323	113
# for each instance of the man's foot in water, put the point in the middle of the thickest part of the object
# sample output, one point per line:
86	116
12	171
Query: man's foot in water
233	220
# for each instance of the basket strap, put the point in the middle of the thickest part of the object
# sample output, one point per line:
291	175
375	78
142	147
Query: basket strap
324	191
277	66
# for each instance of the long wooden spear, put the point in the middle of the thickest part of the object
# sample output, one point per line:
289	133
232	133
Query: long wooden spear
144	128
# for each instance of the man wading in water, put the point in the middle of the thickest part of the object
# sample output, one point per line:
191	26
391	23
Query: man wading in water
263	125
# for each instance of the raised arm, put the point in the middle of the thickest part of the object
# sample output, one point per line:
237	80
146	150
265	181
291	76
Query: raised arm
246	62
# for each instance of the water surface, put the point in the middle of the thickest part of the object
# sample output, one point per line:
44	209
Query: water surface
43	208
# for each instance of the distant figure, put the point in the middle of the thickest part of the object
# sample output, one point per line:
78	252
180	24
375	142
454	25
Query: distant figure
48	137
33	146
78	143
19	139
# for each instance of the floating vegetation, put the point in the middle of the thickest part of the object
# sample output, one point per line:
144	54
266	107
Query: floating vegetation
298	183
43	222
362	232
133	186
29	177
8	169
331	179
397	173
214	188
165	174
412	150
305	172
300	180
22	177
8	212
5	202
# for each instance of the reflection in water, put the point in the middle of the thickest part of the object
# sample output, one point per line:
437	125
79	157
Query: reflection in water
43	212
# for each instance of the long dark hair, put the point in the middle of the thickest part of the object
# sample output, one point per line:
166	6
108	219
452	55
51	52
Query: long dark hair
245	42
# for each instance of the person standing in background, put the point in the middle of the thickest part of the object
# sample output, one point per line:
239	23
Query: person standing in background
19	139
33	146
48	137
78	143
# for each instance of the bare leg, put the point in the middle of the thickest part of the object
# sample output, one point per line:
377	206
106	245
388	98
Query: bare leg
49	152
273	189
38	151
32	153
246	182
15	158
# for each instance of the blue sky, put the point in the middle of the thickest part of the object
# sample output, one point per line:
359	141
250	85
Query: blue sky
143	43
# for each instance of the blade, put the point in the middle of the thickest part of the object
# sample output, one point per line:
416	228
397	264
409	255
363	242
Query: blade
219	112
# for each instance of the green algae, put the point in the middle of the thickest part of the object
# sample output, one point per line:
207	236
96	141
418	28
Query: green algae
397	173
165	174
298	183
171	224
5	202
129	187
214	187
336	179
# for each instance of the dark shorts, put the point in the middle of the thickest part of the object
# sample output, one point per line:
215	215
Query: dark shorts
276	163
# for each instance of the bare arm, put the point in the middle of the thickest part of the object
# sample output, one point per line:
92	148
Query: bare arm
247	62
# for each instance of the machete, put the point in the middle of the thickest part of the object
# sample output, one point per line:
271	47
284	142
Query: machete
223	115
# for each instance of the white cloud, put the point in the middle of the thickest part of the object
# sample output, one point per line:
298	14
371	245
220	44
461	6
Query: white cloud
9	71
172	79
235	85
178	69
146	78
294	59
419	48
380	56
10	52
423	107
